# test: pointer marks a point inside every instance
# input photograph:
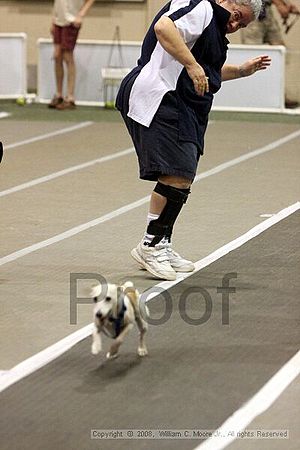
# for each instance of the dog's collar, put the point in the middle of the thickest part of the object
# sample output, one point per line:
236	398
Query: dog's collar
119	319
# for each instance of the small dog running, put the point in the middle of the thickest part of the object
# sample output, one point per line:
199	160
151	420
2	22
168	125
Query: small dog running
115	312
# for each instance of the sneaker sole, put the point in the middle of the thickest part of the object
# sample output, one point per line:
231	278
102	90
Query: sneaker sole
146	266
177	269
184	269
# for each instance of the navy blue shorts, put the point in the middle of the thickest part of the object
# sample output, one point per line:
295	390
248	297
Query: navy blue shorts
159	149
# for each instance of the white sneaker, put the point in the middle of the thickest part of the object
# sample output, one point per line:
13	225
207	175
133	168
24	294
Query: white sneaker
178	263
155	260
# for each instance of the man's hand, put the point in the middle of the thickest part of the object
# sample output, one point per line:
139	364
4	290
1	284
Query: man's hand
78	21
254	65
172	42
198	77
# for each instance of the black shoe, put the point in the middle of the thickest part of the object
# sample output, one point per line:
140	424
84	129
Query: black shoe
55	101
66	104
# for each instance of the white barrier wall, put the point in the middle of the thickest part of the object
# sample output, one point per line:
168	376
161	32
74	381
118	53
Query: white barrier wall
13	70
263	92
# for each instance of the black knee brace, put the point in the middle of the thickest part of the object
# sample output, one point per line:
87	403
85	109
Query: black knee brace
163	226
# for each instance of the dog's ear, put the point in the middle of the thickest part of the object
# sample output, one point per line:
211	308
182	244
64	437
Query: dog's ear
95	291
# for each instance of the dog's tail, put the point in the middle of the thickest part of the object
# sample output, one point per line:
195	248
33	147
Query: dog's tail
128	285
129	289
134	297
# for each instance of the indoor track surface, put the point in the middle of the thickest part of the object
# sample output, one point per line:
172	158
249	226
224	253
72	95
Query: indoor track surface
223	342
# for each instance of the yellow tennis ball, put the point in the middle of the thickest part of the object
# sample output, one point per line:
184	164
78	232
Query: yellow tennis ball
21	101
110	105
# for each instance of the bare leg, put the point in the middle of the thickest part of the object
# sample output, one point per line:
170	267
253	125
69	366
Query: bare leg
154	252
59	70
68	57
158	202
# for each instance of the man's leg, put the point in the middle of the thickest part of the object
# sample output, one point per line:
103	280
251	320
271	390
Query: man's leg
59	70
155	253
69	102
69	38
68	56
158	202
167	200
59	76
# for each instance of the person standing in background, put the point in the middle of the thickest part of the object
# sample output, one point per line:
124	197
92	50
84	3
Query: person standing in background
66	23
267	30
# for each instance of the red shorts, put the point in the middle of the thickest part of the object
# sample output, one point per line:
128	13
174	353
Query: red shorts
66	37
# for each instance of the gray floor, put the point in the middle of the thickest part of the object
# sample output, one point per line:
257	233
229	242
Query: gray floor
194	377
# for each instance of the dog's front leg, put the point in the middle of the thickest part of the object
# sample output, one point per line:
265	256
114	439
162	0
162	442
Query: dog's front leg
113	352
143	327
97	344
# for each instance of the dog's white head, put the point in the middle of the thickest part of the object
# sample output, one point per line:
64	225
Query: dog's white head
106	298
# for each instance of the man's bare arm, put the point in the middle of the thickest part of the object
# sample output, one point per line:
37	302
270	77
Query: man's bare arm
232	72
173	43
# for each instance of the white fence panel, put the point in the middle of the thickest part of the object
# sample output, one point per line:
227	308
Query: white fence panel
13	70
263	91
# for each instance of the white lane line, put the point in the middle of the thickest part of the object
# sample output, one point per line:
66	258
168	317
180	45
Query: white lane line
42	358
4	114
206	174
249	155
49	135
258	404
63	172
236	243
73	231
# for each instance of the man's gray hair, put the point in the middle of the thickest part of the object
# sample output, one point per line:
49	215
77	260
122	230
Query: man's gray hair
255	5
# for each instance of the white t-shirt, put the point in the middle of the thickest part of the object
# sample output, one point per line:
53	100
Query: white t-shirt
161	73
65	11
